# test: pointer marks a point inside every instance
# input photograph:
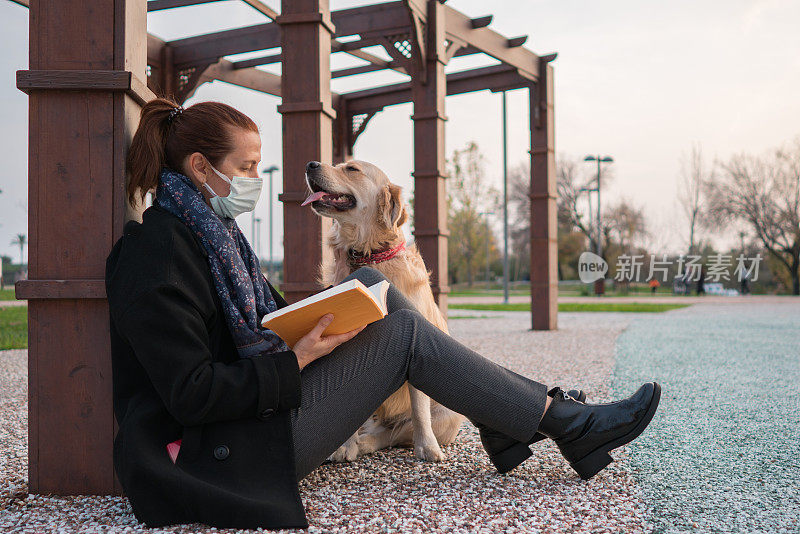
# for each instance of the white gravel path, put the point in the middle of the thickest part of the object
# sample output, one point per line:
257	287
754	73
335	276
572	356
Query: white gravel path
390	491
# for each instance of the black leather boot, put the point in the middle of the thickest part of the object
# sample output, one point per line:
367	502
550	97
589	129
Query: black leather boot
585	433
505	452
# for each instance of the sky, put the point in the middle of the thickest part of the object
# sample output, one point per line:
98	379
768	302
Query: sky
640	81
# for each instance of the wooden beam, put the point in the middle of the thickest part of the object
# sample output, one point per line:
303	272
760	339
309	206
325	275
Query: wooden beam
460	26
60	289
262	8
352	48
514	42
366	21
377	63
493	78
370	21
341	73
466	50
252	78
154	47
158	5
86	80
212	46
257	61
481	22
366	56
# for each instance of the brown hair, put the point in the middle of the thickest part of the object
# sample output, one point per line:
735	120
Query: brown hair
204	127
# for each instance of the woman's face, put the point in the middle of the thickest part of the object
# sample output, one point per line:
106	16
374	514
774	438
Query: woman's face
241	161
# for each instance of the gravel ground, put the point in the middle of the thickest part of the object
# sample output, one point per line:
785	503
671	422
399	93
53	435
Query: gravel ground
390	491
722	453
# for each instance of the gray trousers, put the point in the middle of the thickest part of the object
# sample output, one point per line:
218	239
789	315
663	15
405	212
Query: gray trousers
341	390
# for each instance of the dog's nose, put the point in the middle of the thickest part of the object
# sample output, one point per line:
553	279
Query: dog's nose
312	165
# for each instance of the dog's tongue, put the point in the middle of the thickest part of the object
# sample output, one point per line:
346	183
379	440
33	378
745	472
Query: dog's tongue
313	196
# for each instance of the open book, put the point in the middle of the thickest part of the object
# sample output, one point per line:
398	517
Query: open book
352	304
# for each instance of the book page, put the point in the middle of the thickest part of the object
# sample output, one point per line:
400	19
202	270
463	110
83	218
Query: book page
335	290
378	293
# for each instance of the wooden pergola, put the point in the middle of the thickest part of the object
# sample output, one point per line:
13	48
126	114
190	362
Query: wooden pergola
93	65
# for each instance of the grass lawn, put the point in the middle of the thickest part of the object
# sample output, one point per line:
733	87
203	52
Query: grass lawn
14	327
576	307
7	294
487	292
640	290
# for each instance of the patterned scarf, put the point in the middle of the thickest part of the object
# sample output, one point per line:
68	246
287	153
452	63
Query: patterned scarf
240	284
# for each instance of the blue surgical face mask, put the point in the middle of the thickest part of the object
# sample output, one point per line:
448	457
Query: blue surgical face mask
242	198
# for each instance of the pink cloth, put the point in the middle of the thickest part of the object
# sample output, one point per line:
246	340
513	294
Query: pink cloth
173	448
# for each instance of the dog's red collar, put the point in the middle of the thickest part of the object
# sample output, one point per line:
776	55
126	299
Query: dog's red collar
375	257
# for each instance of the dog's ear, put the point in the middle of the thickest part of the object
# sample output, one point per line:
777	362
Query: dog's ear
392	210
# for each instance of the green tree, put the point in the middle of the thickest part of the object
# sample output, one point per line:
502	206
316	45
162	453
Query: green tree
20	240
469	196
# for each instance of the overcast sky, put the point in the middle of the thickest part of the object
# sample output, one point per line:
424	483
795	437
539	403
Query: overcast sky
639	81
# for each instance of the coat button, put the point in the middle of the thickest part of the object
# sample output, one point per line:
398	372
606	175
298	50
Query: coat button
266	413
221	452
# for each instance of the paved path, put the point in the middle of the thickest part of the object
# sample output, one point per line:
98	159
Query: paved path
723	452
666	299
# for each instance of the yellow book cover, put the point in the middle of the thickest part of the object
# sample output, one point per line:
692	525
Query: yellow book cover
352	304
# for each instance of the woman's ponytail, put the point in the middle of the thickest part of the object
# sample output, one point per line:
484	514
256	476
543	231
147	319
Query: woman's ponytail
147	153
164	138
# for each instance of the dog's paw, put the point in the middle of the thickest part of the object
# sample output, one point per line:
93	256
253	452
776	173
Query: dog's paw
347	452
366	444
430	452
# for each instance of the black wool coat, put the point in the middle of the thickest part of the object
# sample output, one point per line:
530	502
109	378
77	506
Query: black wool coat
176	374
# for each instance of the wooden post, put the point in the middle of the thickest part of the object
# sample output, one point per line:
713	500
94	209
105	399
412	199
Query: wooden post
85	86
544	228
306	31
428	91
342	134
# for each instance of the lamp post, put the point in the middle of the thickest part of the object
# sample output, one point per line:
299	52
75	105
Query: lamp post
486	218
599	285
505	203
269	170
257	238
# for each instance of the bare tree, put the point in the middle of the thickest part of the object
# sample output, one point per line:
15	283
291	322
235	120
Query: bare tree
625	223
574	208
519	215
573	213
764	192
692	186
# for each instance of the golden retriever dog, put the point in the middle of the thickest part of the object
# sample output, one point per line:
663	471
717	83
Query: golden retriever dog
368	214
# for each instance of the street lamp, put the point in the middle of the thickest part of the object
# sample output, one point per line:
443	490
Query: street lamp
269	170
505	202
486	218
599	285
257	237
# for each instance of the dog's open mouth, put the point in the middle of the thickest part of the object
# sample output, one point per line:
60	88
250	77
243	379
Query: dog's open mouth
337	201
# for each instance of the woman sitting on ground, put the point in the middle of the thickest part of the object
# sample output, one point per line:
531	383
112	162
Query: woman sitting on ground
190	360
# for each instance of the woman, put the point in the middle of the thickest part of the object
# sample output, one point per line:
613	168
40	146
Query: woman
191	362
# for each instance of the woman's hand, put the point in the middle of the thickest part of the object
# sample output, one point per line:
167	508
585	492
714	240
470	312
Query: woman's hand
312	345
